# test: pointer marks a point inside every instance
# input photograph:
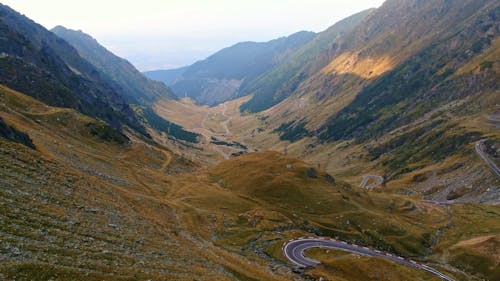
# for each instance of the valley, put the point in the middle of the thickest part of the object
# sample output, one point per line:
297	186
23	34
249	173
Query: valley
367	151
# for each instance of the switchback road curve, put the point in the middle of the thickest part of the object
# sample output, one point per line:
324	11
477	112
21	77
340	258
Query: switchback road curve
377	180
479	149
294	251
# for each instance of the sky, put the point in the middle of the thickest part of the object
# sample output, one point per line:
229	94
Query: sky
155	34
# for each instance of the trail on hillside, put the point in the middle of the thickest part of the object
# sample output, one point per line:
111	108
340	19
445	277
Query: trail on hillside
228	119
167	161
376	181
209	133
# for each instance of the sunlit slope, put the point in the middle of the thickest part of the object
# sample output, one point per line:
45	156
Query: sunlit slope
42	65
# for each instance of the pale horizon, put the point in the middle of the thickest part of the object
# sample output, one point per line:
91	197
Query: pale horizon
171	34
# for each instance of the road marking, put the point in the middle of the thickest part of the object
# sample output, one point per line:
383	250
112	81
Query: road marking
300	245
485	157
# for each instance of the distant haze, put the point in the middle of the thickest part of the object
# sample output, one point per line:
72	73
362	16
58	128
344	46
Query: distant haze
156	34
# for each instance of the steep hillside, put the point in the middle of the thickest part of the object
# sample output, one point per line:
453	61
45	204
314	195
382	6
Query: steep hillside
134	85
38	63
166	76
431	77
136	89
400	97
280	82
407	93
221	76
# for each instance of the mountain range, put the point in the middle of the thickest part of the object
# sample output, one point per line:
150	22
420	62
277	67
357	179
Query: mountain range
226	74
134	86
37	62
396	87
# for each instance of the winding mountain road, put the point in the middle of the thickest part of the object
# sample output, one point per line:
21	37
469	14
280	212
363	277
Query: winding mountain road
207	133
377	180
479	149
294	251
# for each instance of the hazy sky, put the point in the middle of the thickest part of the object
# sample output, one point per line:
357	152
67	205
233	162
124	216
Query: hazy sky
156	34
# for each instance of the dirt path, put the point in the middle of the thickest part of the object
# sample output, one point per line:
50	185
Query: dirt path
376	181
167	161
208	134
228	119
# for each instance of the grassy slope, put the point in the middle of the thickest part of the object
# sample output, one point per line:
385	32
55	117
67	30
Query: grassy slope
338	265
256	203
371	102
97	209
94	206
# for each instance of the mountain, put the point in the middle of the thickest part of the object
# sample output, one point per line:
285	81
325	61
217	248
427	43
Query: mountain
136	89
221	76
166	76
385	147
38	63
407	96
134	85
405	90
429	76
414	107
278	83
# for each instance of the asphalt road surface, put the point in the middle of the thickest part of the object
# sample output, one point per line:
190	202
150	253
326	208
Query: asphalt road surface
480	151
294	251
377	180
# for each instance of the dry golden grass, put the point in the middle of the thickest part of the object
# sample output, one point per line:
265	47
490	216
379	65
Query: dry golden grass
338	265
222	223
366	67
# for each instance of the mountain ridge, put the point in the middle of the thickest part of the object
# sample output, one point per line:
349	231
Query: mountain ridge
221	76
139	92
37	62
134	85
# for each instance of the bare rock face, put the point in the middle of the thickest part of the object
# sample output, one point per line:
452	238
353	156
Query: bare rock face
10	133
